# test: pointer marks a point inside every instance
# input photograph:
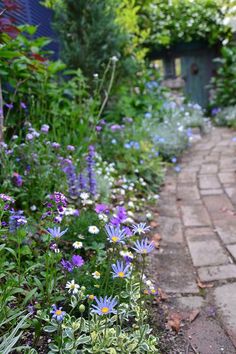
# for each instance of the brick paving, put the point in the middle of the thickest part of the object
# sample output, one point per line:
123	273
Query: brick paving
197	209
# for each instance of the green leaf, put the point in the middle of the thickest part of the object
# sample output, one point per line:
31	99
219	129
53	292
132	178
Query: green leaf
50	329
29	295
83	339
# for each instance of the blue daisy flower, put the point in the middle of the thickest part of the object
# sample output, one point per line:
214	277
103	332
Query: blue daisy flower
143	246
120	270
104	306
115	234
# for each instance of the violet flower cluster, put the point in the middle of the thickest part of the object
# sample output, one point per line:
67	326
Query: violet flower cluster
82	182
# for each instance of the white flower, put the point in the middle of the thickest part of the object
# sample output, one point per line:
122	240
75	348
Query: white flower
77	244
103	217
72	286
114	59
149	216
84	196
93	230
69	211
33	207
127	254
96	275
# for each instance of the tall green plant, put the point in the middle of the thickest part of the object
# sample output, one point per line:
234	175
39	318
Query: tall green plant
88	33
224	83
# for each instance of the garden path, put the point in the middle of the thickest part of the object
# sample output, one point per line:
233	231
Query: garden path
196	263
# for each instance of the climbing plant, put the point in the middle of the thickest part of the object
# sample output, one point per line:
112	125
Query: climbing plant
173	21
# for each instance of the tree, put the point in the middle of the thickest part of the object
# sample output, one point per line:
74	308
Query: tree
89	34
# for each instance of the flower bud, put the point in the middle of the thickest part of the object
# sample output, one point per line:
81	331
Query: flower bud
81	308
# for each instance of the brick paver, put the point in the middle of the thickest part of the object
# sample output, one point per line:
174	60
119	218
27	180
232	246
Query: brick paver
198	227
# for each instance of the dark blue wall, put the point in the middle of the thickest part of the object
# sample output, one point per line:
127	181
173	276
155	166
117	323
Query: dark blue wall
31	12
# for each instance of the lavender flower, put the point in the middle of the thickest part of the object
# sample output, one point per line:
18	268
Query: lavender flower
57	313
120	270
69	169
104	306
81	182
143	246
115	234
90	171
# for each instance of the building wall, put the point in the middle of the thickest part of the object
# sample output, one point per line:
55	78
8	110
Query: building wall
33	13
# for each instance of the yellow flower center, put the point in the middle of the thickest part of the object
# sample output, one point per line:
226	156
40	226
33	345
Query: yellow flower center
144	251
91	297
105	310
58	312
121	274
72	286
114	238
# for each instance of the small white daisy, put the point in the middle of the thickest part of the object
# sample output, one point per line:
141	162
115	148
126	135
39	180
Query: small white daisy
84	196
72	287
96	275
93	230
77	244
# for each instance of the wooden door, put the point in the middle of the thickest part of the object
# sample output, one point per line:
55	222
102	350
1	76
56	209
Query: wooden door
197	70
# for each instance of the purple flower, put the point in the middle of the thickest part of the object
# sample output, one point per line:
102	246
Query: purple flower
57	313
58	198
101	208
92	184
215	110
71	176
17	179
45	128
23	105
29	136
98	128
115	234
67	265
56	232
120	217
16	220
70	148
177	169
174	159
140	228
9	105
6	198
127	120
116	127
55	145
77	261
104	306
